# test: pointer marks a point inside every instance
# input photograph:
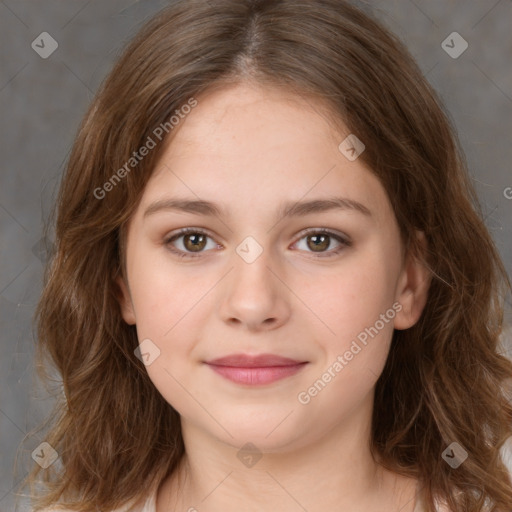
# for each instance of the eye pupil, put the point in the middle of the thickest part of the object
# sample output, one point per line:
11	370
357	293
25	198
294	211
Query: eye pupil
196	245
324	244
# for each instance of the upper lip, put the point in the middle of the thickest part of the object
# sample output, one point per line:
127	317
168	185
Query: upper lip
257	361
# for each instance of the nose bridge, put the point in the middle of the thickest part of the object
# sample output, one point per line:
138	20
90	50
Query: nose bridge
252	263
254	295
250	250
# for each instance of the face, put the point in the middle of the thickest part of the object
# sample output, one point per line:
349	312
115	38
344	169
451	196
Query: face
323	287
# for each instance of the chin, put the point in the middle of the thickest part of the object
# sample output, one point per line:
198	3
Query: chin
266	436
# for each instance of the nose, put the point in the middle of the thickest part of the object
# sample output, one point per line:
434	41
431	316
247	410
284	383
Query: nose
254	296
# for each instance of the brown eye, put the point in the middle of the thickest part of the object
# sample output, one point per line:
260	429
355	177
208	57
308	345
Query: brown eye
194	242
188	242
320	242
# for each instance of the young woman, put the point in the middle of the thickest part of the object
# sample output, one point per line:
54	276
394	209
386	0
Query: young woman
272	286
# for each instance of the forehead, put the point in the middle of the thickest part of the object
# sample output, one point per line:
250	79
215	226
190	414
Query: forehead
262	146
273	115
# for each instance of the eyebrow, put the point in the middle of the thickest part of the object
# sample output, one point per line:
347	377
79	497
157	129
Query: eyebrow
290	208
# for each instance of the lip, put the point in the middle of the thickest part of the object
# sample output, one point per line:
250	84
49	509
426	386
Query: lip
258	361
255	370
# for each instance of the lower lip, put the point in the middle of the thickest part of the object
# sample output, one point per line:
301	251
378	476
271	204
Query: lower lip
256	376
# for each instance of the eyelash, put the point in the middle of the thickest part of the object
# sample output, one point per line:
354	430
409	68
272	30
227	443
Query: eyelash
323	231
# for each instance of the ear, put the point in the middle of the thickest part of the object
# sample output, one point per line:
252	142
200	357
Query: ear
413	286
125	301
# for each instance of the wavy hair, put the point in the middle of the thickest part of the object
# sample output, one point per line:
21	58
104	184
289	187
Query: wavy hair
444	380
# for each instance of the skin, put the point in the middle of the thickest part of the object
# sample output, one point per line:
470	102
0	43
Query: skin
249	149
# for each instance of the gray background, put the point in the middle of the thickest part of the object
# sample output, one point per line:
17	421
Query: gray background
43	100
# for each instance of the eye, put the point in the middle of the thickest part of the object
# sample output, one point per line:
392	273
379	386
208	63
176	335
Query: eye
320	239
195	241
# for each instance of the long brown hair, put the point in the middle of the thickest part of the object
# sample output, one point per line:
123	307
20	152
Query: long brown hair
444	380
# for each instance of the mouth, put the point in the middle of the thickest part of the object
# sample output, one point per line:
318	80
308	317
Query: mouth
255	370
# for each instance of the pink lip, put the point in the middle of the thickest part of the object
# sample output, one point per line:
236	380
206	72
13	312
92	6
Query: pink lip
255	370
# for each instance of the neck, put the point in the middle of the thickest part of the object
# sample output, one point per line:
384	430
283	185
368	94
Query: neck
334	472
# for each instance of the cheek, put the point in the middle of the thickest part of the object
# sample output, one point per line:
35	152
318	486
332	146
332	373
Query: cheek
352	299
355	312
167	305
354	357
162	294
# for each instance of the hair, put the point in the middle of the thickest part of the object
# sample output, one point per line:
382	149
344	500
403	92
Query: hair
444	380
